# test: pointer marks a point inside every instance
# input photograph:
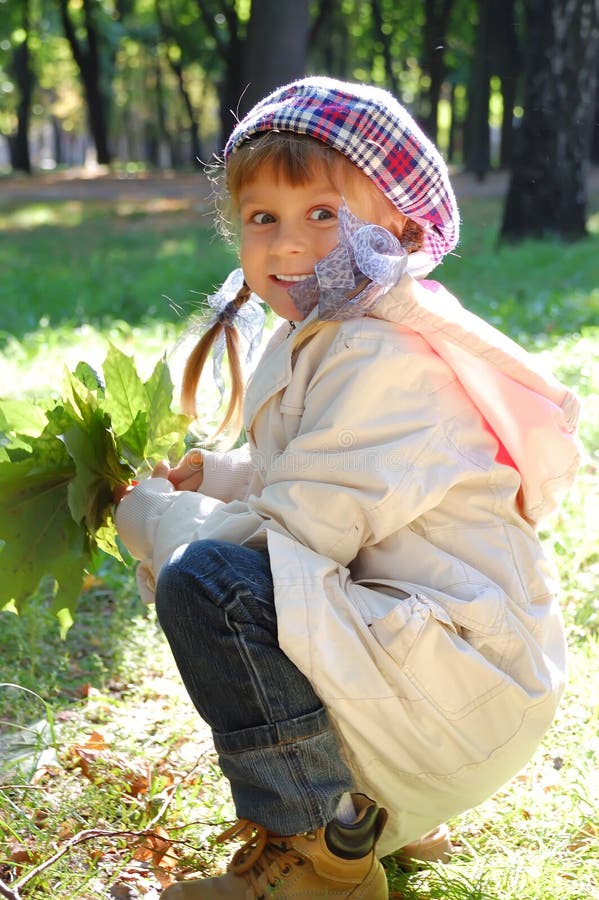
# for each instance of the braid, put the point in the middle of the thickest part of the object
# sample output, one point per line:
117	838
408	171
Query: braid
197	360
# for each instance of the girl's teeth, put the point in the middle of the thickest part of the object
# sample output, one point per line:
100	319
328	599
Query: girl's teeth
291	277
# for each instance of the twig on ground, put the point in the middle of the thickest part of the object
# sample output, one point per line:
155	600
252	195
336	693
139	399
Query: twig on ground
8	893
88	834
80	838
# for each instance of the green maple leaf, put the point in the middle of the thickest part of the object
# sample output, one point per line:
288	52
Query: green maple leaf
126	404
91	443
39	534
166	429
59	467
141	411
19	420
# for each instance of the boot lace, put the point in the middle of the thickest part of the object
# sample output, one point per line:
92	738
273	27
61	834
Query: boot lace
262	859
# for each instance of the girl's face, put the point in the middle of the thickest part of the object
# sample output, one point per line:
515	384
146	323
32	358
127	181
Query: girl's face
287	228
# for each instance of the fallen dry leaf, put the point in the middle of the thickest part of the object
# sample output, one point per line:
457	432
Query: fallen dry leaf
21	855
157	848
583	838
67	829
105	766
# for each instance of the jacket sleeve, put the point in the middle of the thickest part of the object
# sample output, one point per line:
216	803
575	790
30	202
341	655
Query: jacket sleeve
226	476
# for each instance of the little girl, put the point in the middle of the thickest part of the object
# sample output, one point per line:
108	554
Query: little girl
357	599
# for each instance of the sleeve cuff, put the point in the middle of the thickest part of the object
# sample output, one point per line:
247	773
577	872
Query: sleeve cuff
139	511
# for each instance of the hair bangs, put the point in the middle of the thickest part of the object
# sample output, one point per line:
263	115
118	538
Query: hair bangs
290	157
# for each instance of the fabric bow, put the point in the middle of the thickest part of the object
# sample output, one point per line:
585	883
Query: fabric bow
348	281
248	318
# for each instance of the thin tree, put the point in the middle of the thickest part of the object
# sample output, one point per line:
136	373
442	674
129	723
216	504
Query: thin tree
506	62
548	187
230	45
477	145
384	36
94	55
259	55
175	59
436	25
21	70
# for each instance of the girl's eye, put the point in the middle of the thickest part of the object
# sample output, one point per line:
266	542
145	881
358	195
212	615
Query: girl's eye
262	218
321	214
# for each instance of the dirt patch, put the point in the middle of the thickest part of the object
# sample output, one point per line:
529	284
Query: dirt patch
96	184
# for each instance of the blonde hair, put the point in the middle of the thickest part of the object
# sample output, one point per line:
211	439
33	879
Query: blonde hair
292	158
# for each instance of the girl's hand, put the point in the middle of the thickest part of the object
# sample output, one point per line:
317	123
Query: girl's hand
188	474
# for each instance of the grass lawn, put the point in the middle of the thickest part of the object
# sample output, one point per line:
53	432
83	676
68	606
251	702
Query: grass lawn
102	758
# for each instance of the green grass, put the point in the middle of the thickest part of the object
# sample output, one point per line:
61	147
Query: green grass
76	275
74	264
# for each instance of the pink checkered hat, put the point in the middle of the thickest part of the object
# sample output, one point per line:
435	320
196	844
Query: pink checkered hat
374	131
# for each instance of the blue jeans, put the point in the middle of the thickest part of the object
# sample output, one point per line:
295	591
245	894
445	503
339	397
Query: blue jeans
271	732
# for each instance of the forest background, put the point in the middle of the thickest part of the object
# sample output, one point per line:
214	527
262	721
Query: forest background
108	784
158	83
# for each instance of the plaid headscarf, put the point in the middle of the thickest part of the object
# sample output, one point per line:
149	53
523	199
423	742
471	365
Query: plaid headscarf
374	131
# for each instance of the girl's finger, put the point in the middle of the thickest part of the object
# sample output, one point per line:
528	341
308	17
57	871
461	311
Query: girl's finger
161	470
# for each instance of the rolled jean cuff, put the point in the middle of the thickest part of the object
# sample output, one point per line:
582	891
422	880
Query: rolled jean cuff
290	787
272	734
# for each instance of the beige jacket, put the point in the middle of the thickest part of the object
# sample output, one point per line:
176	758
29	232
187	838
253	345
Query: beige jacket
410	584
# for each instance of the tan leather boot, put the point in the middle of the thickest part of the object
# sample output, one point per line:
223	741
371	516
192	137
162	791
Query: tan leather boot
337	861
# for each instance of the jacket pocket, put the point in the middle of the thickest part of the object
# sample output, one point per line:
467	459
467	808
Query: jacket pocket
445	669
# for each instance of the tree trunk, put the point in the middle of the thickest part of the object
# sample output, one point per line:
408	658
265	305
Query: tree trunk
506	62
595	127
548	188
22	72
57	140
477	147
194	128
385	38
276	47
97	113
455	127
231	50
328	39
93	62
437	15
162	134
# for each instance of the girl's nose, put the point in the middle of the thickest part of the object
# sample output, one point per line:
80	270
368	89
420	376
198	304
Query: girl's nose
288	238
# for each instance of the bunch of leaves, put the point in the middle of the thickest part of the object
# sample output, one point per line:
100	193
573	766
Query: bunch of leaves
59	467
